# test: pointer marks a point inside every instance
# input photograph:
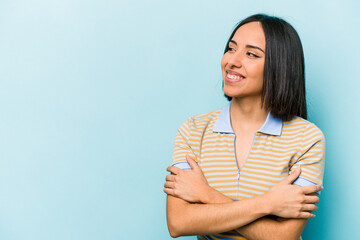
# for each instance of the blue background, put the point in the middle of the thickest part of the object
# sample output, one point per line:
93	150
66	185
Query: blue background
92	93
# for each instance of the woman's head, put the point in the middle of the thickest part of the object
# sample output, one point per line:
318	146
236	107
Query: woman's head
279	48
243	63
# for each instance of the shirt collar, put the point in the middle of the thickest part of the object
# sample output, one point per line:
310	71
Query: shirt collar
223	123
271	126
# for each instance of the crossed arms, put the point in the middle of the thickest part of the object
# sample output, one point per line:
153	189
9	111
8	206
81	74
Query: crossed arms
218	213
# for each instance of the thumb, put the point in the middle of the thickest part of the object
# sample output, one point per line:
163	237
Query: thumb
292	177
191	162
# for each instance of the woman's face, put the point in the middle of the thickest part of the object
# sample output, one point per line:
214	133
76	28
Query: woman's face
243	64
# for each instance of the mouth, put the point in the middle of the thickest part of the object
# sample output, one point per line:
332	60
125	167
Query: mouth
233	77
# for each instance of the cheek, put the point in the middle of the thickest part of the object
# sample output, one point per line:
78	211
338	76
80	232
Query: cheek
224	61
223	65
257	71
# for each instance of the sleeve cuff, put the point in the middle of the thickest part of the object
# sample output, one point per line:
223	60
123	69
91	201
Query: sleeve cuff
182	165
302	182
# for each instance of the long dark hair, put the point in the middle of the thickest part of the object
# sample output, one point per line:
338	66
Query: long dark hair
284	71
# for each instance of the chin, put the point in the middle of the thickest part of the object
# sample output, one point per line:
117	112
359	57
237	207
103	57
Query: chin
232	94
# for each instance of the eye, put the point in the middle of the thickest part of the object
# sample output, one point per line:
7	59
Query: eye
250	54
230	49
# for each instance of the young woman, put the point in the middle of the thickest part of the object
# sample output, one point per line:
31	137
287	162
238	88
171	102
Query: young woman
237	161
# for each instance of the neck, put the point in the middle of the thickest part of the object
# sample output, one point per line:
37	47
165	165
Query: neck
247	114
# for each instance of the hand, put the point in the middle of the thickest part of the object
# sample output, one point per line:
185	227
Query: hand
291	201
187	184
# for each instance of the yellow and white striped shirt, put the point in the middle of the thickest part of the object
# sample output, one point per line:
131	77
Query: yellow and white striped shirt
276	148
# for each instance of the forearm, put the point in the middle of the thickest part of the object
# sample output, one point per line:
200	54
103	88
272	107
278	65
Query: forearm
196	219
214	196
220	213
267	228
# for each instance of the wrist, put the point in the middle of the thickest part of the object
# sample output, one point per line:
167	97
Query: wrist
266	206
207	195
214	196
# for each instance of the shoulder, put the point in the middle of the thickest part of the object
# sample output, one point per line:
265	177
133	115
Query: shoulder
201	121
307	129
205	117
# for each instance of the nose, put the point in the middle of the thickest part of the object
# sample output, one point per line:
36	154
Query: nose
235	60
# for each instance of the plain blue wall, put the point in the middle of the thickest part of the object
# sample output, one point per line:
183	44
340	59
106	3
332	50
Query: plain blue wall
92	92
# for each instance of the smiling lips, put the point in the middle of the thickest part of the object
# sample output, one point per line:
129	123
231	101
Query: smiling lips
233	77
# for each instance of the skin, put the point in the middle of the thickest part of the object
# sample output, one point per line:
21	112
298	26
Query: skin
246	113
287	201
244	60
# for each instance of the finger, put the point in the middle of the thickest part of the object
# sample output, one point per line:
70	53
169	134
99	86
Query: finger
305	215
169	185
309	207
312	194
191	162
312	189
170	178
312	199
169	191
173	170
291	178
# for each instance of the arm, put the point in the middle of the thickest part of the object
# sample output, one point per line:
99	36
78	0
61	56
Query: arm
312	164
289	201
265	227
185	218
221	213
186	180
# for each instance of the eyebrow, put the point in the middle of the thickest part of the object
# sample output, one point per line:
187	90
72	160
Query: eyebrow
247	46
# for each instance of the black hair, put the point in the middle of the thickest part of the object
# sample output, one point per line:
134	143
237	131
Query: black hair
284	71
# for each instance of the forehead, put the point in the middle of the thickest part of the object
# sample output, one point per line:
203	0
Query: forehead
250	33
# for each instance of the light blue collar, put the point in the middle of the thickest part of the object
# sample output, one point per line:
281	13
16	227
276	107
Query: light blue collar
271	126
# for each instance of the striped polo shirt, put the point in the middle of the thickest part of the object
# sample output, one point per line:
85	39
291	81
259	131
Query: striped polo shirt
277	147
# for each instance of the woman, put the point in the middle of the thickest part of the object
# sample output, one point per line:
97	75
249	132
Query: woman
246	150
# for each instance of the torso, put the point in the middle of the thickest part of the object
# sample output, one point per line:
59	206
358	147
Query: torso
249	164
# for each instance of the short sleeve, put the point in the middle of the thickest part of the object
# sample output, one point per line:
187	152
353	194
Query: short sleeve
182	146
312	157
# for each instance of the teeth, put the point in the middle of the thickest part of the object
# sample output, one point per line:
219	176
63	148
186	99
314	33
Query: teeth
233	76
